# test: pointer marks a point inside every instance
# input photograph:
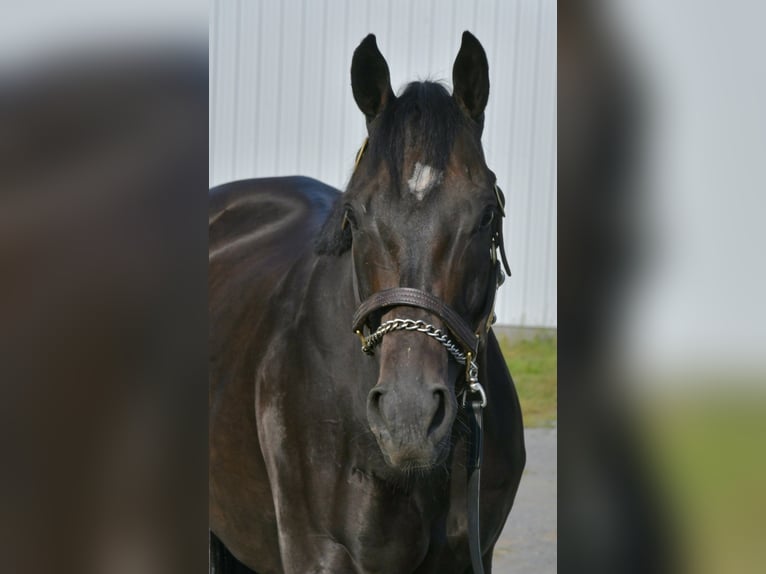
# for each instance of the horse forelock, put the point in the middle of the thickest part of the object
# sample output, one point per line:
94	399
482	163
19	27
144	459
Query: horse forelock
415	135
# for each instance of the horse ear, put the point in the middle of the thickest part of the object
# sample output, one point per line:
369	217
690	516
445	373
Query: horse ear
334	238
370	80
470	77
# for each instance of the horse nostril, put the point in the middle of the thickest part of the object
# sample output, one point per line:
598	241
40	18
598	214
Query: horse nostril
375	395
373	404
439	415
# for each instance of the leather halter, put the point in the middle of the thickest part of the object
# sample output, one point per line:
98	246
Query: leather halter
416	298
469	339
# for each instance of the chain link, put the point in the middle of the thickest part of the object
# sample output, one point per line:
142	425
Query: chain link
472	374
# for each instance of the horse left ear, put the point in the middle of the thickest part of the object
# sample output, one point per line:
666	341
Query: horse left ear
370	79
470	77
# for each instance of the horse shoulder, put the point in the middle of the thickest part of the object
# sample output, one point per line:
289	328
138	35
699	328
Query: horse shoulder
259	230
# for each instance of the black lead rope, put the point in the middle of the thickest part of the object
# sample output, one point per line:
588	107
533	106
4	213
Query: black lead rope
475	449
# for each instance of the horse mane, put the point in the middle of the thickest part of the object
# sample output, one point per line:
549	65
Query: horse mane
425	117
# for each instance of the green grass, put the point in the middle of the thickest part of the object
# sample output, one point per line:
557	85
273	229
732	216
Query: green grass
708	456
533	367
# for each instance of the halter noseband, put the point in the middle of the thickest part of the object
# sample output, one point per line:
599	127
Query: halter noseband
464	353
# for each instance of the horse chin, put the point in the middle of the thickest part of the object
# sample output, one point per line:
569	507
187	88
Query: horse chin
415	458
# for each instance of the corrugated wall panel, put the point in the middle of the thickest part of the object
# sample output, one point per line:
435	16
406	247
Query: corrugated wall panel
281	104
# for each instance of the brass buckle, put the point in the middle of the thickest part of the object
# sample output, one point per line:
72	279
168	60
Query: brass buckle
360	153
468	359
364	342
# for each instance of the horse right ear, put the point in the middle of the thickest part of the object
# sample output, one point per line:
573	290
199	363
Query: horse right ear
370	80
470	77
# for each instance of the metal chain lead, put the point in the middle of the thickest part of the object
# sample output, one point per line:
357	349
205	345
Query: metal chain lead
472	372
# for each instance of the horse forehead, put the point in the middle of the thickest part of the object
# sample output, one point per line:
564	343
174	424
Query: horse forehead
424	178
464	170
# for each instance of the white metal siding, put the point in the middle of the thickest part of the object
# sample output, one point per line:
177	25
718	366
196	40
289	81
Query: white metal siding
281	104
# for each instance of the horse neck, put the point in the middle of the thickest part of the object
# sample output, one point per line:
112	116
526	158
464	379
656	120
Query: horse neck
321	303
330	282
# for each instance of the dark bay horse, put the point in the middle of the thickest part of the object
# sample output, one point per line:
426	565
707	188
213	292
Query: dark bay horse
324	458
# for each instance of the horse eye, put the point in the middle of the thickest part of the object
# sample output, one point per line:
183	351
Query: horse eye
487	218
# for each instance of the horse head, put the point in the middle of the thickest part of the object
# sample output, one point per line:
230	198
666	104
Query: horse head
421	215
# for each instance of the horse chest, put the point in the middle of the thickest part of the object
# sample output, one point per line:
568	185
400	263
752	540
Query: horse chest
384	530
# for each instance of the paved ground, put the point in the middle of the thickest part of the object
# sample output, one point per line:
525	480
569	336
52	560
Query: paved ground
528	542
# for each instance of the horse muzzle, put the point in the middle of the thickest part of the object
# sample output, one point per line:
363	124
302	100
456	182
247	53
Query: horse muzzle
411	410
